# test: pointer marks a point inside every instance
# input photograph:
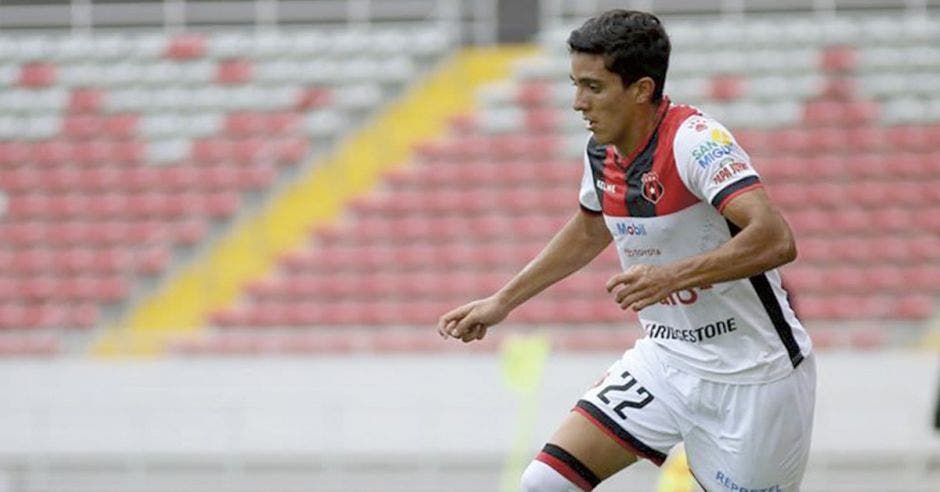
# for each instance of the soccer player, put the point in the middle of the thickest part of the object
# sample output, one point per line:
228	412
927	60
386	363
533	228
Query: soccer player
725	366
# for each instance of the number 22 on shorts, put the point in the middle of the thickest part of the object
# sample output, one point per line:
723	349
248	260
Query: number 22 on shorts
633	395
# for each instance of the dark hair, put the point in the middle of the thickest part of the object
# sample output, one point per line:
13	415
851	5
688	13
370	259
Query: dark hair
634	45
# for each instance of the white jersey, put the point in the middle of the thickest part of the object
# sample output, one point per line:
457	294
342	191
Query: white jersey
662	204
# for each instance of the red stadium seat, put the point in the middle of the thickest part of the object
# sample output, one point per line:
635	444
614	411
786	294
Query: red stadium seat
243	124
542	120
314	97
892	219
15	153
533	94
218	177
93	152
914	306
727	87
35	75
231	317
912	138
152	260
20	179
804	278
221	204
127	152
838	59
83	126
186	47
211	150
927	219
752	139
925	278
290	150
83	315
121	126
924	247
840	88
828	139
845	279
795	140
86	100
235	71
50	152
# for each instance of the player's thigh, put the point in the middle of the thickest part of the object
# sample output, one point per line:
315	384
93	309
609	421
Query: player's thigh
620	420
591	446
764	440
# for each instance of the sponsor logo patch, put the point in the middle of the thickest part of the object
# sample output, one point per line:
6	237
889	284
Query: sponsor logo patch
696	335
720	145
728	169
730	484
641	252
606	187
629	229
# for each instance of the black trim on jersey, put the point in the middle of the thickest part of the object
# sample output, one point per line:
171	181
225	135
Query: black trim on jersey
597	155
638	206
733	187
772	306
644	450
573	463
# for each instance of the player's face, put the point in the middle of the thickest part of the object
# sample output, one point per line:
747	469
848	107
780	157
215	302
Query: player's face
604	103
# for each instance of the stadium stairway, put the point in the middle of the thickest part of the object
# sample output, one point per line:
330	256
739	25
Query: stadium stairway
123	154
849	157
312	200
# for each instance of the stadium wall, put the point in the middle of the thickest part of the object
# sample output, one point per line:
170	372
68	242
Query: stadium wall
337	416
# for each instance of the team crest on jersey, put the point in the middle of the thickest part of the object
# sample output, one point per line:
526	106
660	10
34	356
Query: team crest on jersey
697	124
652	187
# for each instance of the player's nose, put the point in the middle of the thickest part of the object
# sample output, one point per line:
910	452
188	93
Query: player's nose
580	102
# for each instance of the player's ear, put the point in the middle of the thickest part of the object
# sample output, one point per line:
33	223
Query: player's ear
643	90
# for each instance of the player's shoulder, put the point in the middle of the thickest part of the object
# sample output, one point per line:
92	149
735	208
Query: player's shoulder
701	138
691	123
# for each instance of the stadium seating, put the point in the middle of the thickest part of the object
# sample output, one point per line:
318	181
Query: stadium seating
119	152
841	124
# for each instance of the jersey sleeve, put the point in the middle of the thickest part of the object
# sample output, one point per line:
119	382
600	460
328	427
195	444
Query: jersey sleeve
711	163
588	196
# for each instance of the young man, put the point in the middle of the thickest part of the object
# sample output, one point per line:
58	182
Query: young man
726	366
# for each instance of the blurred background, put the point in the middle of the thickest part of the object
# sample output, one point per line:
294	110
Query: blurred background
227	230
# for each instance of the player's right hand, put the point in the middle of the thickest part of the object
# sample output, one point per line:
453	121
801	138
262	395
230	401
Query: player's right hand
470	321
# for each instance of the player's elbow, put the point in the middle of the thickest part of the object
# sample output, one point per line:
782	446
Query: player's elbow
784	249
788	252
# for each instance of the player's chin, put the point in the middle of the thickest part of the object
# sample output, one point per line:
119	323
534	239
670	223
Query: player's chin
599	137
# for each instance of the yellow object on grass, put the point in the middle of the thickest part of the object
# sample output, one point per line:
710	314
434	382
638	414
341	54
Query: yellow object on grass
523	363
674	474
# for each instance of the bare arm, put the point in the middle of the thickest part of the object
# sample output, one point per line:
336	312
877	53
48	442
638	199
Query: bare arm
763	242
574	246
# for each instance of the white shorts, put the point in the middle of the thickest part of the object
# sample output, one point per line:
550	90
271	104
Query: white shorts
738	437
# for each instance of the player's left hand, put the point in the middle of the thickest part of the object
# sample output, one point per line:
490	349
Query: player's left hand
641	286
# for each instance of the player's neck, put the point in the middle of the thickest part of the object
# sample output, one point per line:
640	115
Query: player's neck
644	121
